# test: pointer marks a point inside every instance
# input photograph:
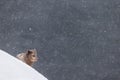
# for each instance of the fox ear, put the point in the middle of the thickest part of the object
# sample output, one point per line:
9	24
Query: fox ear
29	52
35	51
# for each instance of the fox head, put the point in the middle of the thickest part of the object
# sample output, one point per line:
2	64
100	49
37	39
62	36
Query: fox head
31	55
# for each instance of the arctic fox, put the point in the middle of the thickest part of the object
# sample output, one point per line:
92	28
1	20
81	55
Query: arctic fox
29	57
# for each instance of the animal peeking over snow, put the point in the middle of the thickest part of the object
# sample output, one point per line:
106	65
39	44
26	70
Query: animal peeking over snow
29	57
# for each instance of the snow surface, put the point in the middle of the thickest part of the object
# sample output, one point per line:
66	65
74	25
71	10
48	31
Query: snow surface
13	69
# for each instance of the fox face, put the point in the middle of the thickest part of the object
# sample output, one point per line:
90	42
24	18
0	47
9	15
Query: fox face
29	57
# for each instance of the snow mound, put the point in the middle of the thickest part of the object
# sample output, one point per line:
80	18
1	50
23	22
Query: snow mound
13	69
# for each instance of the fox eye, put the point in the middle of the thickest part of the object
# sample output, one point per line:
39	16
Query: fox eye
33	55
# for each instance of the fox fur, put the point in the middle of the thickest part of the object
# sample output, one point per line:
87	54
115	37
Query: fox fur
29	57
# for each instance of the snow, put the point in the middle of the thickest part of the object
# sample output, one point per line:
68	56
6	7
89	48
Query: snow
13	69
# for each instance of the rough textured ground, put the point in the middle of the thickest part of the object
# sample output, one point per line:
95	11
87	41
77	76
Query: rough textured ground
75	39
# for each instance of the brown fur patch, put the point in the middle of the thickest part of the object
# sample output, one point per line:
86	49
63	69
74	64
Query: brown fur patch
29	57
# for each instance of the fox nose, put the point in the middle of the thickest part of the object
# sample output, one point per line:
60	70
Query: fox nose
37	58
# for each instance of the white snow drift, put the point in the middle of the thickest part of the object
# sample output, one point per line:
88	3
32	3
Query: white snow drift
13	69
